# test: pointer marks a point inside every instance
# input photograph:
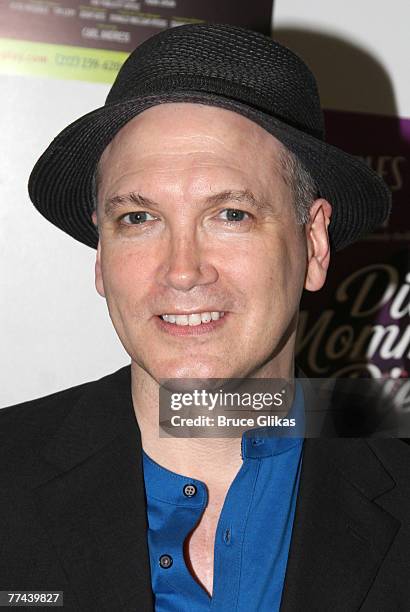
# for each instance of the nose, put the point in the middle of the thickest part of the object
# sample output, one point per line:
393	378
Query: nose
187	262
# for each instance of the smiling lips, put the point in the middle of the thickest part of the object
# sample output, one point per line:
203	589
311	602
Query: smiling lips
194	319
194	324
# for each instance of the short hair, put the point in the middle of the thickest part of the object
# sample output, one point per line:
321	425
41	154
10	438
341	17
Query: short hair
295	175
300	182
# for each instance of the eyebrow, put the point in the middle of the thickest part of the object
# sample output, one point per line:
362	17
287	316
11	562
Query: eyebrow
244	196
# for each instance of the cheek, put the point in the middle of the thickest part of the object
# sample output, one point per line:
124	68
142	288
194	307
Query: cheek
272	275
125	274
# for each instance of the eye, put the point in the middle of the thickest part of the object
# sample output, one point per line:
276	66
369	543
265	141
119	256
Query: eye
233	214
136	218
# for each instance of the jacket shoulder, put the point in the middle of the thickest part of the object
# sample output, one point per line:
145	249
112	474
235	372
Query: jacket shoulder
25	427
32	415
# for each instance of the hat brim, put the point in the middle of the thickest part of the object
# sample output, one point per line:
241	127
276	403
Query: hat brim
61	182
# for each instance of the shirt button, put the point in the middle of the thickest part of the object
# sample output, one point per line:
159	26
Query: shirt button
165	561
227	536
257	441
189	490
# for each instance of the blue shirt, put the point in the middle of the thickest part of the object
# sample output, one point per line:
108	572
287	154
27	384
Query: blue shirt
253	533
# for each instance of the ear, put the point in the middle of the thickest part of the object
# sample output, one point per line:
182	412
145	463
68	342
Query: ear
318	245
99	284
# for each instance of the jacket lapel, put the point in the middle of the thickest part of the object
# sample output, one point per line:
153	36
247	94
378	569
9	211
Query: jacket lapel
92	501
340	534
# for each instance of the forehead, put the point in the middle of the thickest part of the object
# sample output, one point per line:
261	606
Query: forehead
185	131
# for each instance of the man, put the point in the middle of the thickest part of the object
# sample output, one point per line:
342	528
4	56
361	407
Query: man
213	202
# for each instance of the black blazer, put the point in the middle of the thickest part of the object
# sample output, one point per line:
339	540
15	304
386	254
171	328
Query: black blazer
73	513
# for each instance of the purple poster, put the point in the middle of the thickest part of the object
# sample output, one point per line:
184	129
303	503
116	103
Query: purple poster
358	324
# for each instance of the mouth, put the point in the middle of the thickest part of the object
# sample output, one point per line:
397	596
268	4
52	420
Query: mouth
192	324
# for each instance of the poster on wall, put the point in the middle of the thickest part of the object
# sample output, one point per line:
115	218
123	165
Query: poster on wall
358	325
90	39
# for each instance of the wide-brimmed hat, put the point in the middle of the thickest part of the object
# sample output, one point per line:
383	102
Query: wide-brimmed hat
219	65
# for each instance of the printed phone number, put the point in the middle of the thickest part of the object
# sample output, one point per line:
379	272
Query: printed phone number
30	598
86	63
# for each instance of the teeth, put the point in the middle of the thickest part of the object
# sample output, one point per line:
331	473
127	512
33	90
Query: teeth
193	319
181	320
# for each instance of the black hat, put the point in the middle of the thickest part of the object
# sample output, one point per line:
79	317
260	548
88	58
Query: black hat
219	65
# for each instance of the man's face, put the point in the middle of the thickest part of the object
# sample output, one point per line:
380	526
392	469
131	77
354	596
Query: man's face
210	227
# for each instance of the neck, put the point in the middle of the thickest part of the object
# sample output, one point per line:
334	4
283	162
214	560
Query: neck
199	458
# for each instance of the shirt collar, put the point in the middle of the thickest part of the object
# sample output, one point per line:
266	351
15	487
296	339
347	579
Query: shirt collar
274	440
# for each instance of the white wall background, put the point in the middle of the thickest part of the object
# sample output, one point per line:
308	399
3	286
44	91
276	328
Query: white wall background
55	330
380	29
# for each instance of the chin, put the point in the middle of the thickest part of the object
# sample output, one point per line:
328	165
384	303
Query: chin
199	371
